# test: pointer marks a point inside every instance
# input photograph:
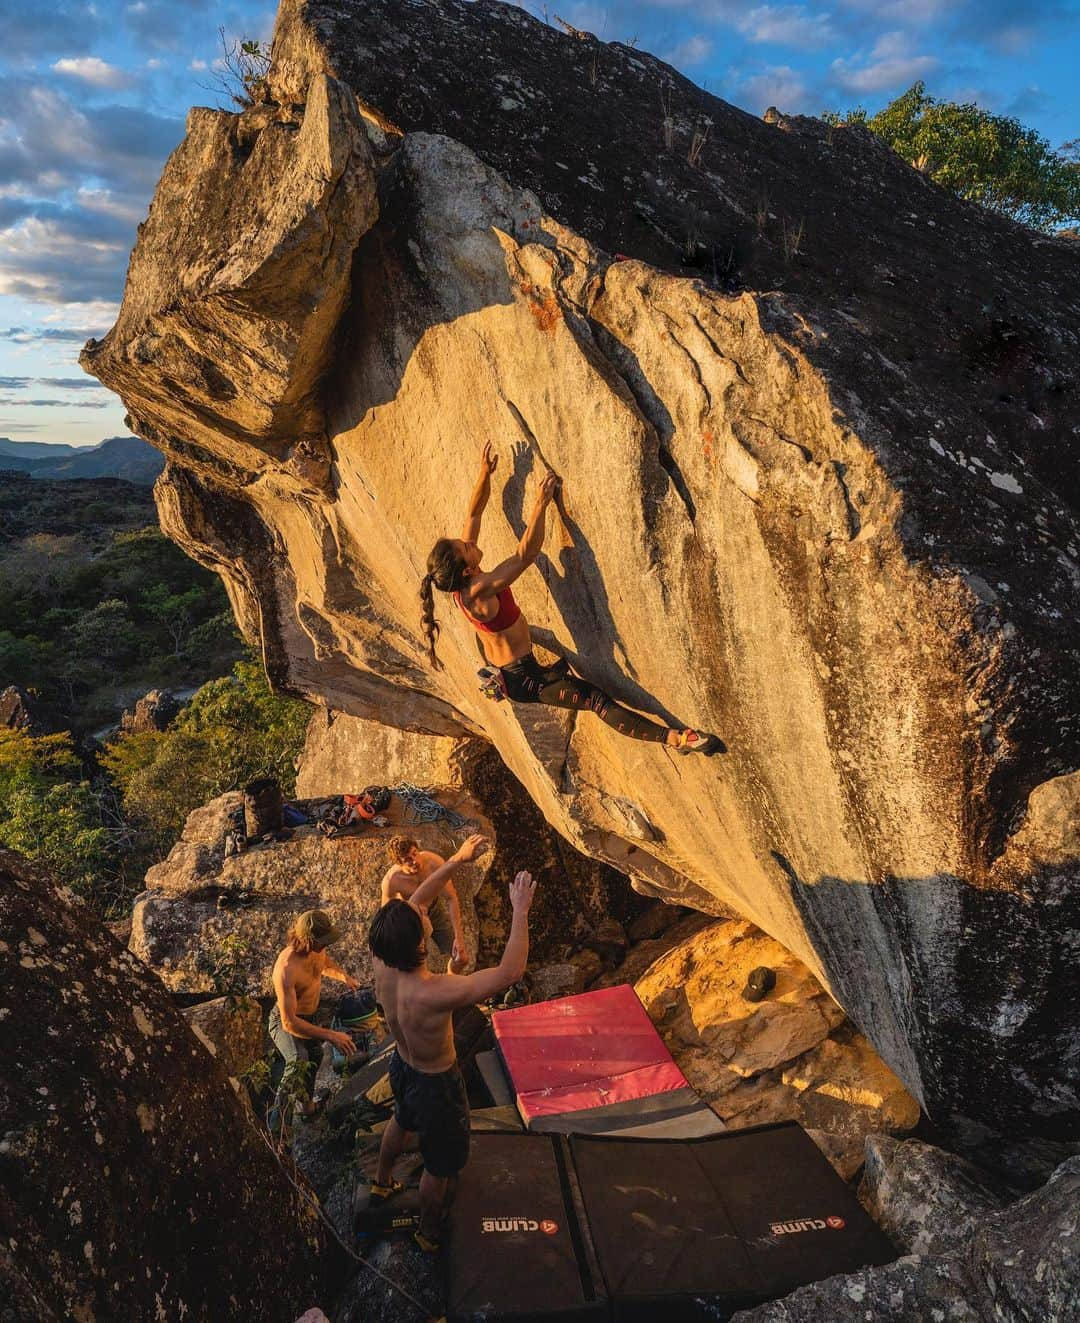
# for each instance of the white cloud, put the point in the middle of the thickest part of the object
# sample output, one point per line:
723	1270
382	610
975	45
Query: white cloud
784	25
777	85
890	64
905	12
89	69
97	314
695	50
56	261
197	64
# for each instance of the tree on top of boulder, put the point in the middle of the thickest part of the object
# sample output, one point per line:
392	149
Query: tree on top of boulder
987	158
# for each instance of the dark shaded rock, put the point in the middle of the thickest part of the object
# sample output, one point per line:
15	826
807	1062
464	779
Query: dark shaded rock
574	895
910	1289
926	1199
550	981
1029	1255
368	1297
608	939
132	1184
15	708
154	711
231	1029
655	921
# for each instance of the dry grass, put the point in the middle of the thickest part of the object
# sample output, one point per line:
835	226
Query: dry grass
698	141
791	238
669	119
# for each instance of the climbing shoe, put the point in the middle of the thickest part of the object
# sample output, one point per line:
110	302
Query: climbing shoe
378	1194
698	741
425	1243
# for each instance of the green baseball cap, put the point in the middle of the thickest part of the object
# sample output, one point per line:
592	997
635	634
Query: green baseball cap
317	926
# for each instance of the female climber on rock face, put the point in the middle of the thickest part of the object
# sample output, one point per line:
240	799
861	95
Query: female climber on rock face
485	599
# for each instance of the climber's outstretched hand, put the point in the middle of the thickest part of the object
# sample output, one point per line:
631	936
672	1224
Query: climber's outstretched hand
489	461
549	488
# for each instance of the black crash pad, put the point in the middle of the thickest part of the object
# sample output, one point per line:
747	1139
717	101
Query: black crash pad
673	1229
513	1238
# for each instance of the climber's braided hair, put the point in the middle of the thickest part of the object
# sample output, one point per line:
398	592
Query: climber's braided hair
446	572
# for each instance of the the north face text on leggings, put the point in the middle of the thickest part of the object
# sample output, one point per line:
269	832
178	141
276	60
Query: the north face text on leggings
528	682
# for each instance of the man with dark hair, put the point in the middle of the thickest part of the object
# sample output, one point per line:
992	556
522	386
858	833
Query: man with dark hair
295	1019
410	867
429	1093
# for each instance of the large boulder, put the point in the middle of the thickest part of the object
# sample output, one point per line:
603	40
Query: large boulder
154	711
211	922
132	1184
792	1055
817	428
214	922
16	708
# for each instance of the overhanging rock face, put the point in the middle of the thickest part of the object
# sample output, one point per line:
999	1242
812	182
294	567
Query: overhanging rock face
818	429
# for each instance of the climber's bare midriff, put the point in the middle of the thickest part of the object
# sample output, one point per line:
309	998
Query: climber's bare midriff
508	645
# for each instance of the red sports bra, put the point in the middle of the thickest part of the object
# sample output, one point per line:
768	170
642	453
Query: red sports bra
508	614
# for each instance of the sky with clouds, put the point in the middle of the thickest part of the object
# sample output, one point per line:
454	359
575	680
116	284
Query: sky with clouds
95	96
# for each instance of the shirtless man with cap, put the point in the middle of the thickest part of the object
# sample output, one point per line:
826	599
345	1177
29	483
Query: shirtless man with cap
298	974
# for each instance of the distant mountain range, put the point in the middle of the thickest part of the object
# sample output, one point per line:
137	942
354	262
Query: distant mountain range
118	457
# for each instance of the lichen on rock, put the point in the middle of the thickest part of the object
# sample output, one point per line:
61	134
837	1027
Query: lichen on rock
132	1183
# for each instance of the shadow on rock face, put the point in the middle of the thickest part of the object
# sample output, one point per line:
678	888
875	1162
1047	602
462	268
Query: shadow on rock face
988	1006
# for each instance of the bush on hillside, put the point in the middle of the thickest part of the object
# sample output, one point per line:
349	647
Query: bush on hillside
991	159
48	813
90	617
233	731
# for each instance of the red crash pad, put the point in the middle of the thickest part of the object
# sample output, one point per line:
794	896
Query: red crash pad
576	1053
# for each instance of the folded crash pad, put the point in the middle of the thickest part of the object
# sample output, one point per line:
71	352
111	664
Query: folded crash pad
514	1249
594	1062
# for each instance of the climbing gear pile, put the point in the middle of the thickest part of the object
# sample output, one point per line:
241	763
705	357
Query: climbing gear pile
422	807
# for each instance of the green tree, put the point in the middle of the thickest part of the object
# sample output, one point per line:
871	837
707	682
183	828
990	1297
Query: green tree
177	612
992	159
104	634
234	730
49	815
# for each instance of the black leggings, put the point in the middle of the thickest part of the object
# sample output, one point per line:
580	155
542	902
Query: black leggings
528	682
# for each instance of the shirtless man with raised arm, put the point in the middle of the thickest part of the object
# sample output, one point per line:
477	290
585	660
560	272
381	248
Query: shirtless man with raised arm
298	974
429	1093
410	867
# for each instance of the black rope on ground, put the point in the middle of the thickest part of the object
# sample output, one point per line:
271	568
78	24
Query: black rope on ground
312	1199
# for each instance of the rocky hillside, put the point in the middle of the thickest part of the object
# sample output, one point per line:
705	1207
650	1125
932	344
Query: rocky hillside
816	420
132	1183
123	457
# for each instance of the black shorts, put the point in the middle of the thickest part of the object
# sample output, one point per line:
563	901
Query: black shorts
436	1108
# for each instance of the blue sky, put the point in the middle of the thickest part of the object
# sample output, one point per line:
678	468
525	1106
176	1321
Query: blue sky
95	96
